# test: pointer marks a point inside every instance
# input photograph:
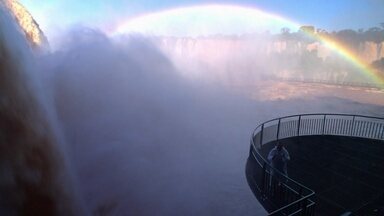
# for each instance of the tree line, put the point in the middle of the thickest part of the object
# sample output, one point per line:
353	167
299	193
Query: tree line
348	36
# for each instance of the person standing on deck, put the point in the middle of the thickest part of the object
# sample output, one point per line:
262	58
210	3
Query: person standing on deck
278	158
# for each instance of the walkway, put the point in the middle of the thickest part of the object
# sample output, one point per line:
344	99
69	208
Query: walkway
347	174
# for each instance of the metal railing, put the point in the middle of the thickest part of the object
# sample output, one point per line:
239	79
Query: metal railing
285	195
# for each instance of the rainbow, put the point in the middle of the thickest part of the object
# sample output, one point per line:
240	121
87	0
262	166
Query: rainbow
203	20
211	19
350	56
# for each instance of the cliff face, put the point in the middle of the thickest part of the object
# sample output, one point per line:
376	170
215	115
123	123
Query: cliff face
240	60
367	51
202	47
370	51
218	59
31	29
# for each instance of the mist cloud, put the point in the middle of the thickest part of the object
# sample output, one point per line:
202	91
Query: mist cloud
144	140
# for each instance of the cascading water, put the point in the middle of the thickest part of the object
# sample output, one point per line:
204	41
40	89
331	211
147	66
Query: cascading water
33	175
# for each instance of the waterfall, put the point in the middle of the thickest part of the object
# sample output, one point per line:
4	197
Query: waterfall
33	175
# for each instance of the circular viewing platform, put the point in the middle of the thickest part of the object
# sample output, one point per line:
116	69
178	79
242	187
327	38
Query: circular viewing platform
336	165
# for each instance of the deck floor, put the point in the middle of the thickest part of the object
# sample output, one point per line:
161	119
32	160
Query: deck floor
346	173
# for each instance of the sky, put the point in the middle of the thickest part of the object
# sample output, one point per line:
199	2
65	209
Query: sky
56	15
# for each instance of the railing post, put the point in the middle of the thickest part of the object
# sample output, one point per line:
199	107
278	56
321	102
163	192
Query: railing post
323	130
251	149
369	130
353	125
261	135
278	130
263	183
298	126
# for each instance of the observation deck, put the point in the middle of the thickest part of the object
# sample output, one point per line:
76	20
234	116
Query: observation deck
336	166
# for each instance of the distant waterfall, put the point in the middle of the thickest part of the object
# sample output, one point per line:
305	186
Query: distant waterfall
33	175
